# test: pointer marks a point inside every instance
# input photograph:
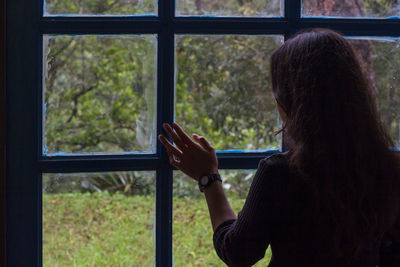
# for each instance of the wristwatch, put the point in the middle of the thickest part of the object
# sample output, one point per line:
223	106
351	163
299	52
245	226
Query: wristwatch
207	179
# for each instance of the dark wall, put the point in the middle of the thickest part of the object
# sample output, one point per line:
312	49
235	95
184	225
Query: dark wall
2	131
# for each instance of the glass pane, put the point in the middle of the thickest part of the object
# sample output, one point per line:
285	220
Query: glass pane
352	8
99	219
99	7
99	94
223	90
192	231
380	58
230	8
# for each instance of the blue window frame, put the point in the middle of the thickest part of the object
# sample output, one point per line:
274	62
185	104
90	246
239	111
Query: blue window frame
25	162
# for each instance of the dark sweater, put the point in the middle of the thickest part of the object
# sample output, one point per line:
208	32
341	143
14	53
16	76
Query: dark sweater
277	213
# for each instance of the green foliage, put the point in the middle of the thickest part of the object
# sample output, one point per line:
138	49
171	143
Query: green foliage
100	94
100	7
225	94
230	7
192	233
352	8
128	183
97	230
236	184
113	230
381	8
386	64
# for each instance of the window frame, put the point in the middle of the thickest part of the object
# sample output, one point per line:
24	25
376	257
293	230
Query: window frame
3	133
24	160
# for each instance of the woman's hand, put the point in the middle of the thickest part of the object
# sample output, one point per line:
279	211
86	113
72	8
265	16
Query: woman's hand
192	158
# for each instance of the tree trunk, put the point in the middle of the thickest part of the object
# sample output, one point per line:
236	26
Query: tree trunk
344	8
347	8
198	4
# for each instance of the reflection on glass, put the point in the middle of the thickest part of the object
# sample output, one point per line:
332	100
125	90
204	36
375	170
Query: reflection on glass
386	65
192	231
223	90
99	7
230	8
345	8
380	59
99	94
99	219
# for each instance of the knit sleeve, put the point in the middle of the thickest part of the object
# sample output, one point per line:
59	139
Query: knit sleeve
243	242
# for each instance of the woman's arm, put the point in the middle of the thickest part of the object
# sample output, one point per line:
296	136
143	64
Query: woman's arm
218	205
243	242
239	241
196	159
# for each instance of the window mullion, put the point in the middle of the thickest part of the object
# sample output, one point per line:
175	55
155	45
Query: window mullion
165	104
165	113
292	9
22	60
2	133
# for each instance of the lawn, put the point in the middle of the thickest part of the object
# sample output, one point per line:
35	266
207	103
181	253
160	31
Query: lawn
115	230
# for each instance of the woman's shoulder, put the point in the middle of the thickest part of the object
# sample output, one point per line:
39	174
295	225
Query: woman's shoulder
280	159
275	166
278	165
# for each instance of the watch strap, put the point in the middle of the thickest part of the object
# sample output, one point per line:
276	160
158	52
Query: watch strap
211	178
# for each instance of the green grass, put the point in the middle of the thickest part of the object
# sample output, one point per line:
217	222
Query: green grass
104	230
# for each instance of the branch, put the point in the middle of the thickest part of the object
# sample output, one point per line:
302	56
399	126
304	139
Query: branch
76	97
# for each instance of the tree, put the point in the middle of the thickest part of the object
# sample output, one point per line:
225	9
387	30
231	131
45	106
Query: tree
100	94
100	7
100	90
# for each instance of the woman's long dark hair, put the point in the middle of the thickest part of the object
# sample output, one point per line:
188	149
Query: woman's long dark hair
338	143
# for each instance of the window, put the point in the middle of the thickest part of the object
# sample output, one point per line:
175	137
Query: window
116	71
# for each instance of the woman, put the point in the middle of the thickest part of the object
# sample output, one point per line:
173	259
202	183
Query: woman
333	199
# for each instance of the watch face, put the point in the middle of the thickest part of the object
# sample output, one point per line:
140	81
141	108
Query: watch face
203	180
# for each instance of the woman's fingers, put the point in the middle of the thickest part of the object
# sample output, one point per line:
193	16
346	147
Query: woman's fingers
173	161
170	147
181	133
177	140
172	151
203	142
